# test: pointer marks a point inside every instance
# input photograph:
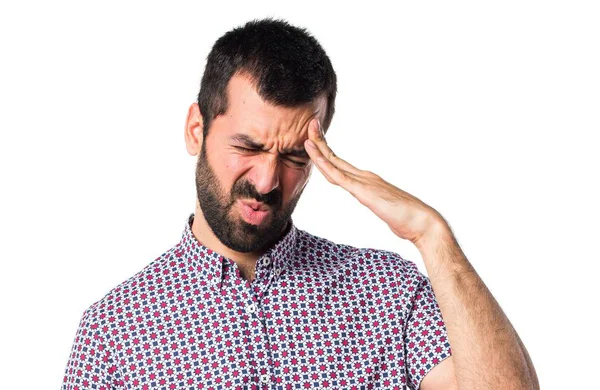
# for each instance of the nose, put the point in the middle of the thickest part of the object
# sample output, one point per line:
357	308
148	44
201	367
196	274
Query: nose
265	174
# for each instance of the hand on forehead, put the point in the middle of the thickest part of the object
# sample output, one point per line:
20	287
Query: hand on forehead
266	124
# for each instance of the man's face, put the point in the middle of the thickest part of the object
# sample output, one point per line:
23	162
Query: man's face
252	168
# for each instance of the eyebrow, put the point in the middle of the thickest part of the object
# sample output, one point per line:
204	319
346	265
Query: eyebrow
248	141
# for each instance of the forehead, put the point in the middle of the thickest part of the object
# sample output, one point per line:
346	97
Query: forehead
249	114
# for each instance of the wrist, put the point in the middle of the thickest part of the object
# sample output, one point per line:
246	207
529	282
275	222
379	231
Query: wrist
437	232
441	253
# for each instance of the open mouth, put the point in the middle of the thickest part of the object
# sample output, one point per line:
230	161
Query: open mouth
254	212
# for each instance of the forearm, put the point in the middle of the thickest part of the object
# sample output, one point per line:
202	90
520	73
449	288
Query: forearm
486	349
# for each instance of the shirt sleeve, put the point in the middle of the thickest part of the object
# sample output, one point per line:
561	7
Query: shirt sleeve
426	338
89	365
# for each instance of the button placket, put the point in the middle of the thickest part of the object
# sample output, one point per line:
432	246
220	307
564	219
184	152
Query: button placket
258	337
260	341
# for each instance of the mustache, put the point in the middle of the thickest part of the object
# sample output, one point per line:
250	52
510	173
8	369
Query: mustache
245	189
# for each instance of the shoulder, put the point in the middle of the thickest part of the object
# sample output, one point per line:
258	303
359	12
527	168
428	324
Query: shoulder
121	299
375	264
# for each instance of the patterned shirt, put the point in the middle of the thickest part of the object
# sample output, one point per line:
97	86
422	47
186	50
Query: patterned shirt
317	315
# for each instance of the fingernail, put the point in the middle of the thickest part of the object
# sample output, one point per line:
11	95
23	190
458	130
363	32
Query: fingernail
311	144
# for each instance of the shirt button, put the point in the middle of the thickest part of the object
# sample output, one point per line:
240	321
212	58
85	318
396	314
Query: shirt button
251	308
278	272
267	261
264	378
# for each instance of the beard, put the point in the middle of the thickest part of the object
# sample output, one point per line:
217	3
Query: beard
218	209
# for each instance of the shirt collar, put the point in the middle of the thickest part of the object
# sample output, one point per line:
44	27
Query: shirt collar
212	266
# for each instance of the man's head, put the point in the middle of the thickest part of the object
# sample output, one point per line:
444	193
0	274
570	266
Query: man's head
263	84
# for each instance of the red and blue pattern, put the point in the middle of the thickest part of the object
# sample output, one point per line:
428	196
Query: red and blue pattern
317	315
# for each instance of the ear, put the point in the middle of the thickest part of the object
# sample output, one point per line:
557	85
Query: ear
194	129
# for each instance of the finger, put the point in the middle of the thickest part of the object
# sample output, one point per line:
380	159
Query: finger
317	158
315	133
333	174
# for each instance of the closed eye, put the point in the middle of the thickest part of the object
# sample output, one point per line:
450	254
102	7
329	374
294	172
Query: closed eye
298	164
243	149
295	163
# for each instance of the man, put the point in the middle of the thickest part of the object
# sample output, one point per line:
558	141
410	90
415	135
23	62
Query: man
247	300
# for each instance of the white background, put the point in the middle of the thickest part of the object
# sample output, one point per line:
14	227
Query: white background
487	112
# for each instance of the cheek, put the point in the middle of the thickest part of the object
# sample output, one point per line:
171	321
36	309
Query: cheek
293	182
229	168
235	163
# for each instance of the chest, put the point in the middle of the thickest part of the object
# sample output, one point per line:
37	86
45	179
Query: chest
302	335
